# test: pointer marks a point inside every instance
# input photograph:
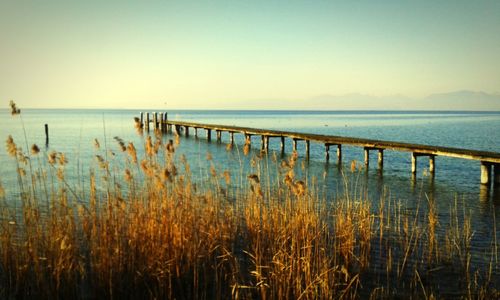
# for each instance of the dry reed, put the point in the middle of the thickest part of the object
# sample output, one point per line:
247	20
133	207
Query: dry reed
159	236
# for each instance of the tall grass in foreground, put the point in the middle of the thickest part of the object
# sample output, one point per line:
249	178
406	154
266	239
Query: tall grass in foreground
147	230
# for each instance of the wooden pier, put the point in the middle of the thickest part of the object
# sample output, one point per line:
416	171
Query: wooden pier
489	161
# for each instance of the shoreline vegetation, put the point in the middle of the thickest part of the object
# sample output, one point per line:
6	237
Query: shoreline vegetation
145	228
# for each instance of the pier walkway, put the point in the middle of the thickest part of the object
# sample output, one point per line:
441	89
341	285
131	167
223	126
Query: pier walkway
489	161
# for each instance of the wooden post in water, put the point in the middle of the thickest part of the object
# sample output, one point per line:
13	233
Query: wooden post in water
147	121
485	172
186	128
413	163
262	142
282	145
339	153
294	144
307	149
497	174
142	119
209	135
266	142
367	156
166	122
219	135
432	165
327	152
196	132
380	159
231	137
161	122
248	139
155	120
46	134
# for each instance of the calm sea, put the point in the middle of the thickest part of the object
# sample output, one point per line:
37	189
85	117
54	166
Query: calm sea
73	132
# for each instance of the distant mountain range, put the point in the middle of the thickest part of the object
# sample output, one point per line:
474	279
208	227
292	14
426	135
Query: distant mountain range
455	101
460	100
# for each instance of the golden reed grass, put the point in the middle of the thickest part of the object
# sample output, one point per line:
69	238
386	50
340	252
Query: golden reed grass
150	231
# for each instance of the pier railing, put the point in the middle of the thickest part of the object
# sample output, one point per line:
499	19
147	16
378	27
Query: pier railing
489	161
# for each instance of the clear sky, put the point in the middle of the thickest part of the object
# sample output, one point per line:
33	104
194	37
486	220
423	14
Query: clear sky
212	54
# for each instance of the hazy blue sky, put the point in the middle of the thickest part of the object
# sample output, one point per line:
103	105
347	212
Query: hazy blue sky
209	54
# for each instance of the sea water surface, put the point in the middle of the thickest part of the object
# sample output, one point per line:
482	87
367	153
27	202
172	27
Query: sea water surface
73	132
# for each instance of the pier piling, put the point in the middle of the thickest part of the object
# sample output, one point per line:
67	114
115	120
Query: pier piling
264	142
497	174
367	156
413	163
432	164
162	124
485	173
380	159
219	135
46	134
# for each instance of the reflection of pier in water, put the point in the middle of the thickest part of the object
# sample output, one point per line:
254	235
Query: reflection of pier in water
490	161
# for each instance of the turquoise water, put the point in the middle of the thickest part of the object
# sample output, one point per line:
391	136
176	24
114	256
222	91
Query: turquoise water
73	132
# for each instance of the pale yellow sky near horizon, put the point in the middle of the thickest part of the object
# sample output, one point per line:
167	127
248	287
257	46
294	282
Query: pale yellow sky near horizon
218	54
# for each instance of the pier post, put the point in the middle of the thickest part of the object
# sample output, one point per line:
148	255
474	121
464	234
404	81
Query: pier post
266	143
294	144
161	123
231	137
147	121
307	149
177	130
209	134
497	174
485	172
367	156
155	120
248	139
327	153
46	134
196	132
413	163
339	153
282	145
432	165
142	119
186	128
165	119
219	135
380	159
261	142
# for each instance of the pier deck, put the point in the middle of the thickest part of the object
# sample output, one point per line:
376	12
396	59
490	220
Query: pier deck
488	160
